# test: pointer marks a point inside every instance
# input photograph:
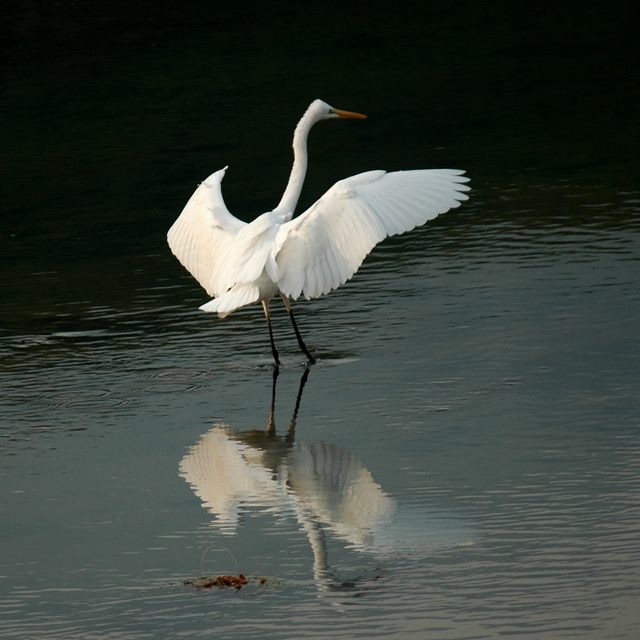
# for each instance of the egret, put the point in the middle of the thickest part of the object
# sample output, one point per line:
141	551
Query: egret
239	263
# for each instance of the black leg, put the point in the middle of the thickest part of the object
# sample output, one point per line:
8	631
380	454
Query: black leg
274	351
303	346
291	433
271	427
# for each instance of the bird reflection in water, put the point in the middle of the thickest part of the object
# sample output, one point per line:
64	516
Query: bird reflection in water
324	486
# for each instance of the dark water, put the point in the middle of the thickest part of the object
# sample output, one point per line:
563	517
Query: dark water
463	462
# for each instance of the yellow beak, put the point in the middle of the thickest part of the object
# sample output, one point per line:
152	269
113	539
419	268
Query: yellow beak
348	114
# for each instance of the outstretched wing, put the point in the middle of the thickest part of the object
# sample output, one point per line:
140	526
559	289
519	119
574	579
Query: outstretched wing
203	234
325	246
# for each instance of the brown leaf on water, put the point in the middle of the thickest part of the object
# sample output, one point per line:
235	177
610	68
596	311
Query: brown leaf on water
227	581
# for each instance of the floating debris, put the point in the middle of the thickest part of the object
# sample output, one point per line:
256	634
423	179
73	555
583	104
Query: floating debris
227	582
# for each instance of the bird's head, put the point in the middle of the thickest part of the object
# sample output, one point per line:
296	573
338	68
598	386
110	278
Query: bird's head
323	111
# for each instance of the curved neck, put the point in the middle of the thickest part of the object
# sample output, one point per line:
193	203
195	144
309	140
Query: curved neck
291	194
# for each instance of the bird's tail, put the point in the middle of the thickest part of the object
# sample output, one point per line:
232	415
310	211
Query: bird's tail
238	296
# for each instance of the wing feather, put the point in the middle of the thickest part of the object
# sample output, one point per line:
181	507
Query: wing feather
238	296
325	246
202	235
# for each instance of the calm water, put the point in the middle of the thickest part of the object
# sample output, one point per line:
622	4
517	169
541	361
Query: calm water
462	462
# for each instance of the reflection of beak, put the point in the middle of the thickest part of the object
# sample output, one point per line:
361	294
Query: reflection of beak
348	114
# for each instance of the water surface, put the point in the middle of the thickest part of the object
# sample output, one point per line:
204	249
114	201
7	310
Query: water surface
463	460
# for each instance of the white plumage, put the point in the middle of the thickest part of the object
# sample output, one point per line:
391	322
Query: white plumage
240	263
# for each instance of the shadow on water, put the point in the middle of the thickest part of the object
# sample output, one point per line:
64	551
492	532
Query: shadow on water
326	488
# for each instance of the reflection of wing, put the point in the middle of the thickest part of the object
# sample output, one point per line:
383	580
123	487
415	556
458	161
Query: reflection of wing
333	487
321	482
339	491
225	474
325	486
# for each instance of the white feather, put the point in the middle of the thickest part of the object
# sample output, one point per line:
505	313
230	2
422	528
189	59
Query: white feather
240	264
203	235
325	246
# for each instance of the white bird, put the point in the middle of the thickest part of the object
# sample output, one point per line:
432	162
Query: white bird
241	263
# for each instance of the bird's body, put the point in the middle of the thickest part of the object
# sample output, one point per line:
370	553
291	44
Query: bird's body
241	263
